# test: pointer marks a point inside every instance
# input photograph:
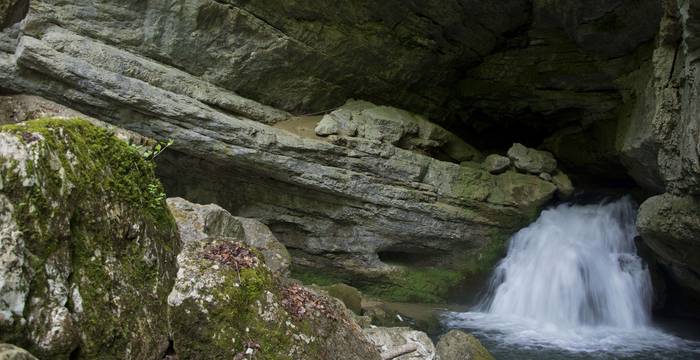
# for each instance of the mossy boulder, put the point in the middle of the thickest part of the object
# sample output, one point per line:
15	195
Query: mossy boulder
350	296
458	345
11	352
88	244
228	309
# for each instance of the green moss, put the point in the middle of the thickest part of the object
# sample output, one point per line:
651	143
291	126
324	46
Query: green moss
311	276
415	283
233	318
428	284
94	201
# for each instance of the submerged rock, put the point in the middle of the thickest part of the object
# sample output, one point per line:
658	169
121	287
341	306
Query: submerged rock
458	345
89	244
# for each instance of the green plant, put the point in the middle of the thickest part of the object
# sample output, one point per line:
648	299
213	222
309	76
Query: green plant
157	149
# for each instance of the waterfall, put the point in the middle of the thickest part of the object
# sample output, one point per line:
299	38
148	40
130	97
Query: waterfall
575	266
572	281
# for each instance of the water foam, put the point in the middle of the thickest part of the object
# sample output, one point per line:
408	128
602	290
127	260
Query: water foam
572	280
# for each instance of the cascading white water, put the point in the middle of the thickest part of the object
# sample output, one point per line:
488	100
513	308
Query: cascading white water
575	266
572	280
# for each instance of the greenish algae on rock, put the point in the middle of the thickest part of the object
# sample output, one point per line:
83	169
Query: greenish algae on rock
90	244
220	311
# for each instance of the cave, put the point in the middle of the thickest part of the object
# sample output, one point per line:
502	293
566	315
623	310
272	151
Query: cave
507	160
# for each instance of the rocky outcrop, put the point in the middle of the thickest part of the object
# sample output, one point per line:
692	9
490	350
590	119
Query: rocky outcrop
660	144
661	141
396	127
226	303
197	222
88	244
336	204
458	345
300	56
670	226
380	182
532	161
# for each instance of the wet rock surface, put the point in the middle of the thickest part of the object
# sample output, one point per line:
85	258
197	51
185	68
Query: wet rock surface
458	345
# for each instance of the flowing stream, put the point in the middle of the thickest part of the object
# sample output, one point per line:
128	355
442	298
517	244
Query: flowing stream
572	286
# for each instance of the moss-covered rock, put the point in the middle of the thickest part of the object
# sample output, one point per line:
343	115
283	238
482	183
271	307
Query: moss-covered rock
11	352
220	310
458	345
88	244
350	296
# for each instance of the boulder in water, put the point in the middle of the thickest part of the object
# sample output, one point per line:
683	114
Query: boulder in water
565	188
350	296
670	226
458	345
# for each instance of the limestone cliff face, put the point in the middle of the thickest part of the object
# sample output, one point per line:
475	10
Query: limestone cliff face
608	86
170	69
661	147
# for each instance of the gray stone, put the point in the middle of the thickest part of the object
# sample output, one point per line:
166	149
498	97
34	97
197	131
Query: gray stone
107	264
218	310
196	222
397	127
11	352
565	188
670	226
294	62
496	164
390	339
458	345
531	160
661	133
259	236
545	176
337	202
350	296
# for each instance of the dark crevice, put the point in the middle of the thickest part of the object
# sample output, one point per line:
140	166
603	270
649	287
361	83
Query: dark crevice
15	14
409	257
75	354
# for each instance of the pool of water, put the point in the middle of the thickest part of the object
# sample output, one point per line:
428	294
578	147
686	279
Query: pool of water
516	338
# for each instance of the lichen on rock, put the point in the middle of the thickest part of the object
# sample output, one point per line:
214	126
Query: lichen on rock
224	310
88	243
